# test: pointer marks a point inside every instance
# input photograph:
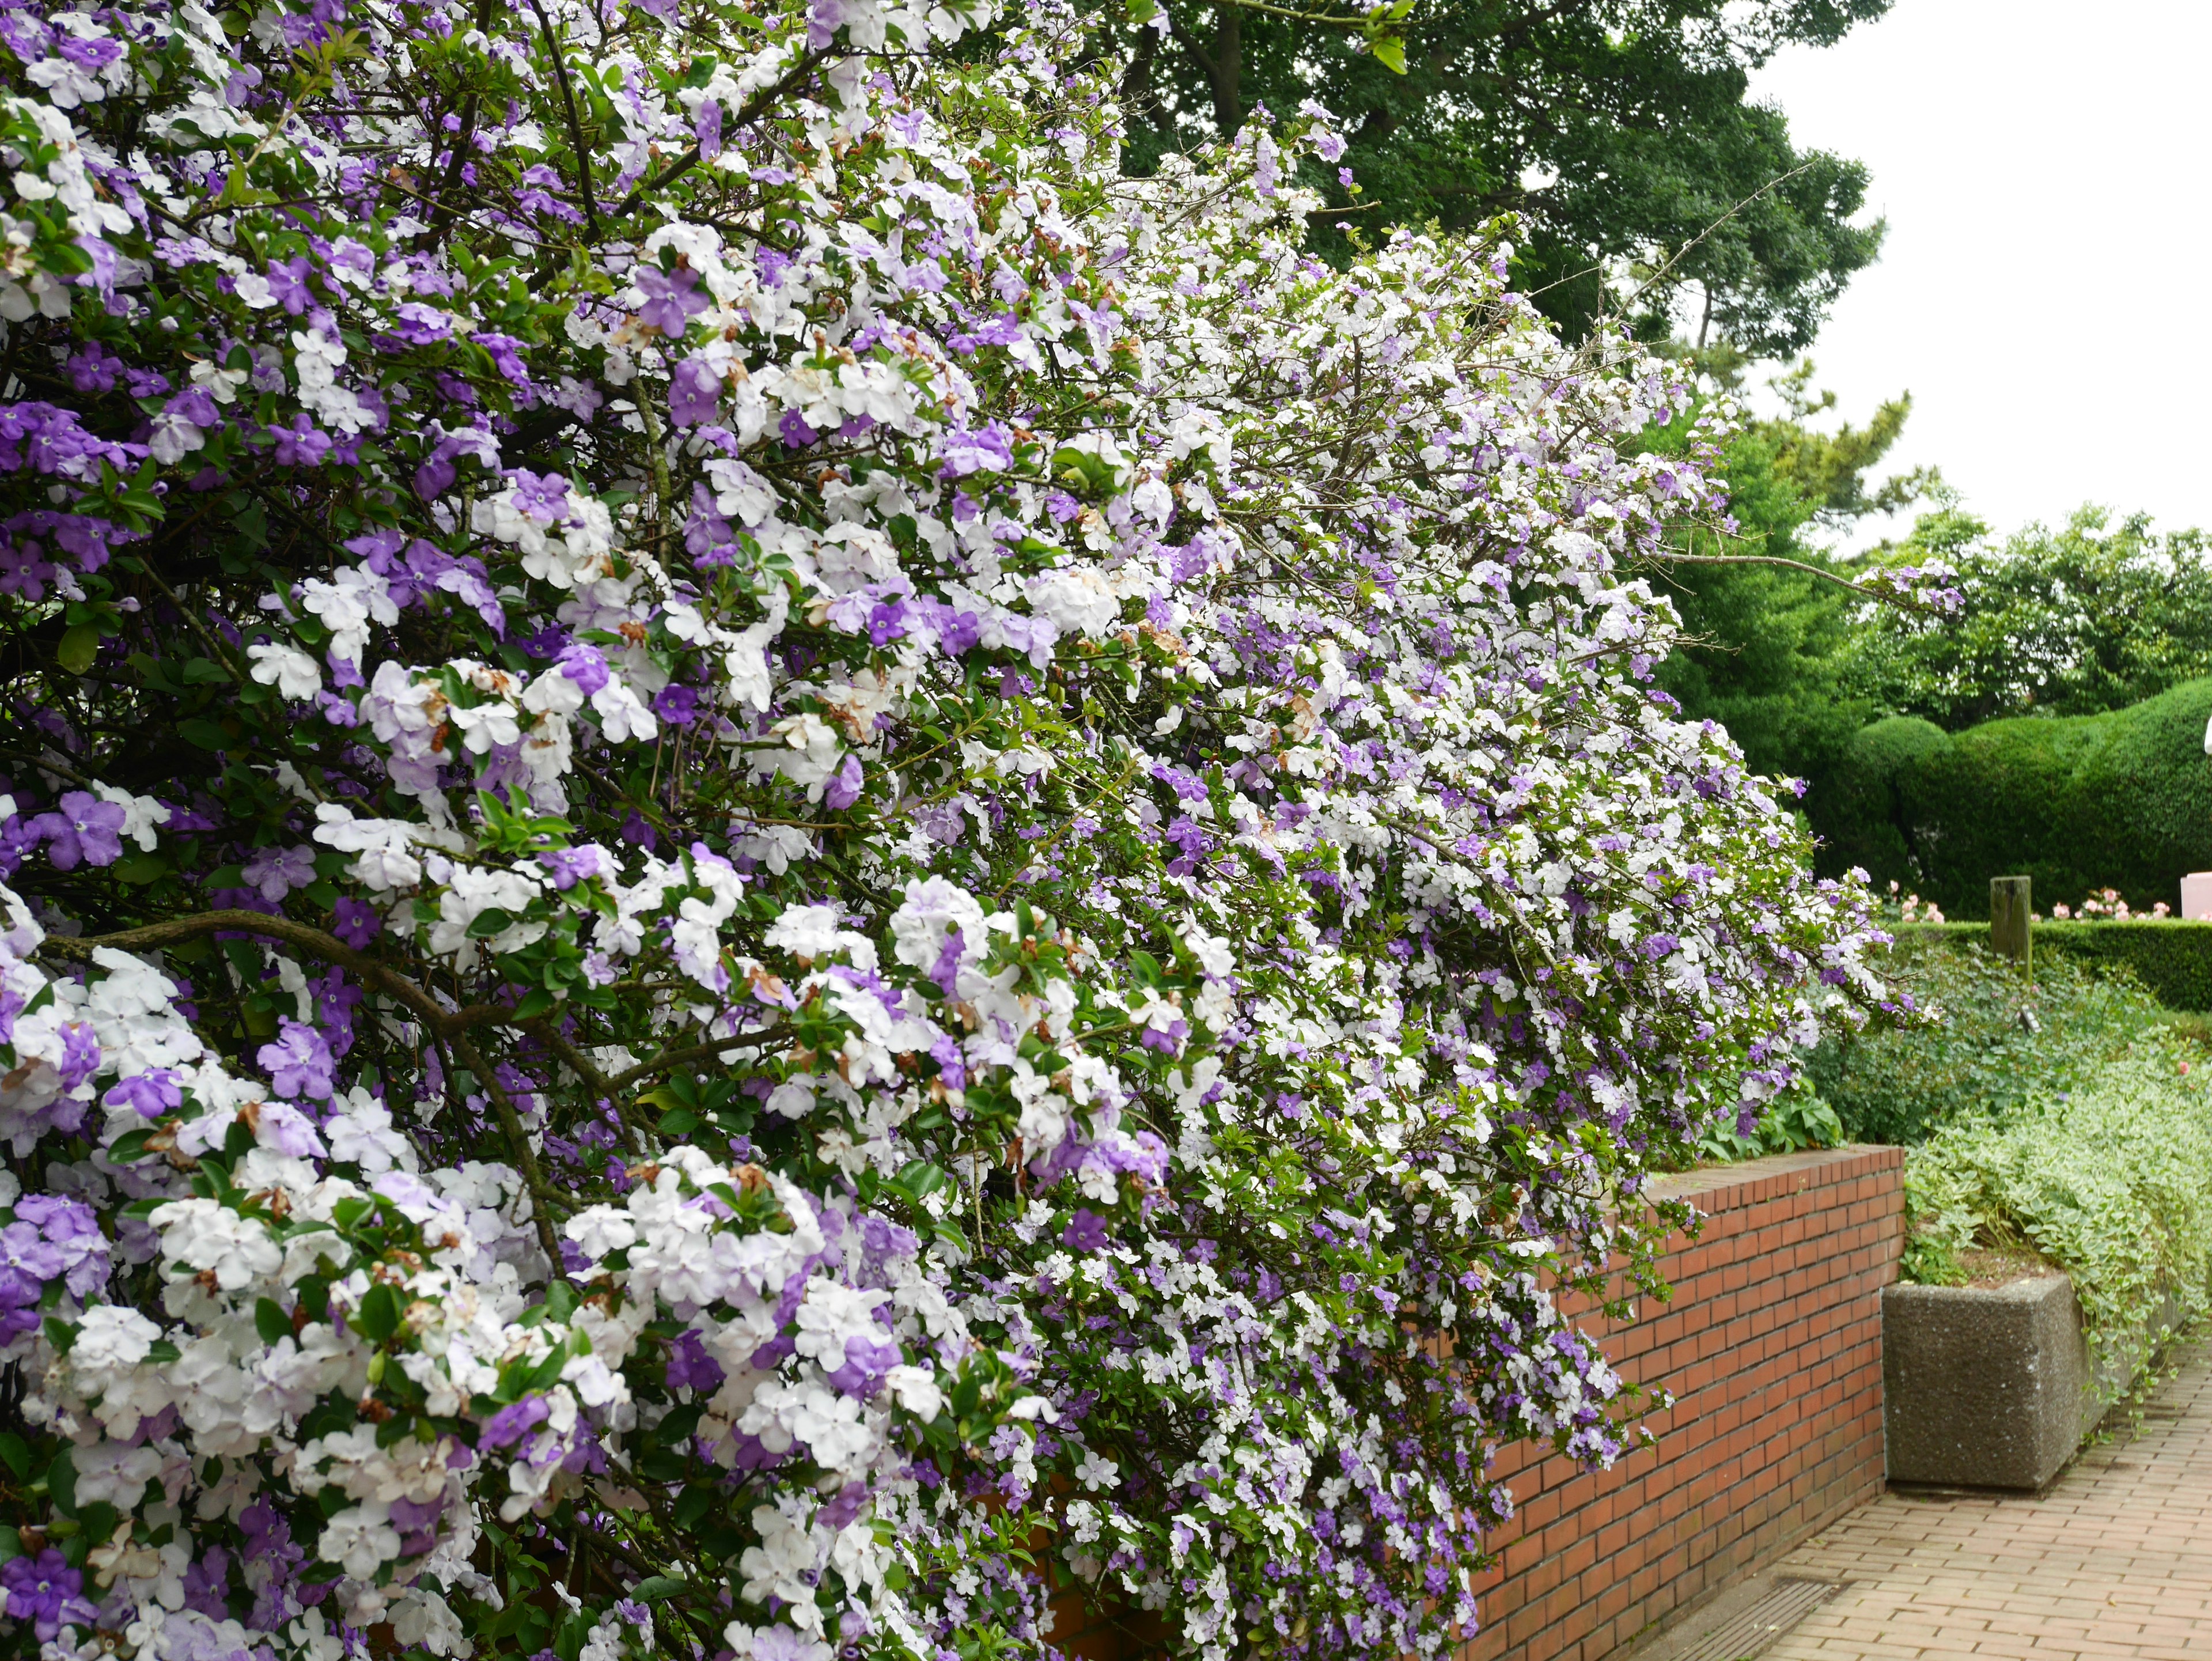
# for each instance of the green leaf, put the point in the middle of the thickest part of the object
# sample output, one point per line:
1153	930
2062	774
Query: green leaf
678	1121
79	648
1389	52
692	1505
271	1323
16	1452
61	1482
130	1146
141	868
657	1588
547	1373
489	923
535	1003
379	1314
204	734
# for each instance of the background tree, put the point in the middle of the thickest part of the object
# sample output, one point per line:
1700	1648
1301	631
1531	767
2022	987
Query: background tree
1770	650
1618	130
2097	615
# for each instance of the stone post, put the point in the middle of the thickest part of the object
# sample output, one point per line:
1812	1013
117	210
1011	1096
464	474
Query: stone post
2009	915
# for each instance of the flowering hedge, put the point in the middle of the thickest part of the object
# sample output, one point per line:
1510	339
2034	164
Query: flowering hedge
777	867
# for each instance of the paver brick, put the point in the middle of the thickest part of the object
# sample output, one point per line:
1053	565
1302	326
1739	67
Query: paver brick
2114	1562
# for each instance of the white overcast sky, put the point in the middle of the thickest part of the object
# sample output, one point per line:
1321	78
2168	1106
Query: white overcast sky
2046	172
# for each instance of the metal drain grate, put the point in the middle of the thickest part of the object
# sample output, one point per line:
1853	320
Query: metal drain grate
1749	1631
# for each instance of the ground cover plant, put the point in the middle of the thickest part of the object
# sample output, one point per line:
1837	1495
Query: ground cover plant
770	856
2111	1182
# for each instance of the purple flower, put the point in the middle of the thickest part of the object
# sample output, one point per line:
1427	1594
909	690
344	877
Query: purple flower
989	449
569	866
28	1255
1085	1232
1003	330
357	923
886	622
513	1422
951	1065
302	444
40	1589
506	356
694	393
866	1360
677	705
417	1522
544	499
299	1062
423	325
194	404
287	281
689	1367
93	369
843	788
83	829
672	300
274	872
585	665
80	1055
707	126
148	1094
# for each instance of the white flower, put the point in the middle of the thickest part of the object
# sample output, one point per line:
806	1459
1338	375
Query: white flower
622	716
208	1237
385	845
932	910
360	1539
421	1617
290	671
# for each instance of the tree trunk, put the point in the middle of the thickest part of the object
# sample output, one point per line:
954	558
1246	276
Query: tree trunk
1226	68
1138	102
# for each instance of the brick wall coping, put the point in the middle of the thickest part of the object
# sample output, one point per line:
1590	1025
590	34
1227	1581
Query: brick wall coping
1753	1182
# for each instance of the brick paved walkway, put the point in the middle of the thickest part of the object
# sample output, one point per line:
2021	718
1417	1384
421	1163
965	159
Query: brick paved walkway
2113	1563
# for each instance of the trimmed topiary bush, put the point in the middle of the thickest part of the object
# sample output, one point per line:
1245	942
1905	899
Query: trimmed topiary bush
2121	799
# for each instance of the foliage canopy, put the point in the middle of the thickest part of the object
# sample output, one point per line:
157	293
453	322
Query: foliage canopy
763	844
1619	131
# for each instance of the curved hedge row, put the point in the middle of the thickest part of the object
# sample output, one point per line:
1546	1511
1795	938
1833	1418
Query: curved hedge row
2121	799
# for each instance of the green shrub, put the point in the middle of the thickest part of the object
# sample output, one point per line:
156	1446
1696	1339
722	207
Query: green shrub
2121	800
1856	808
2111	1182
2171	958
2003	1043
1791	1124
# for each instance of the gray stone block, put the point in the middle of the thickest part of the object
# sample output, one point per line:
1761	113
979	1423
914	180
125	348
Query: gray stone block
1982	1387
1992	1387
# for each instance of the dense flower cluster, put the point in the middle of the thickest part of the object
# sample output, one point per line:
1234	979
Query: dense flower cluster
776	874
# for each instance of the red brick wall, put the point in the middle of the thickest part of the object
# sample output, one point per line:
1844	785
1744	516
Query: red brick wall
1773	1346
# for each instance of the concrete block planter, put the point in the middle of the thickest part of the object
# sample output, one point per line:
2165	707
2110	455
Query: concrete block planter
1993	1387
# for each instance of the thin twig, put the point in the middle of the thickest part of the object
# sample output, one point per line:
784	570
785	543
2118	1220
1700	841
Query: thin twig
511	1122
576	127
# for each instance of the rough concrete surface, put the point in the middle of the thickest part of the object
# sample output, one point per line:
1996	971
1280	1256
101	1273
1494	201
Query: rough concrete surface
1982	1387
